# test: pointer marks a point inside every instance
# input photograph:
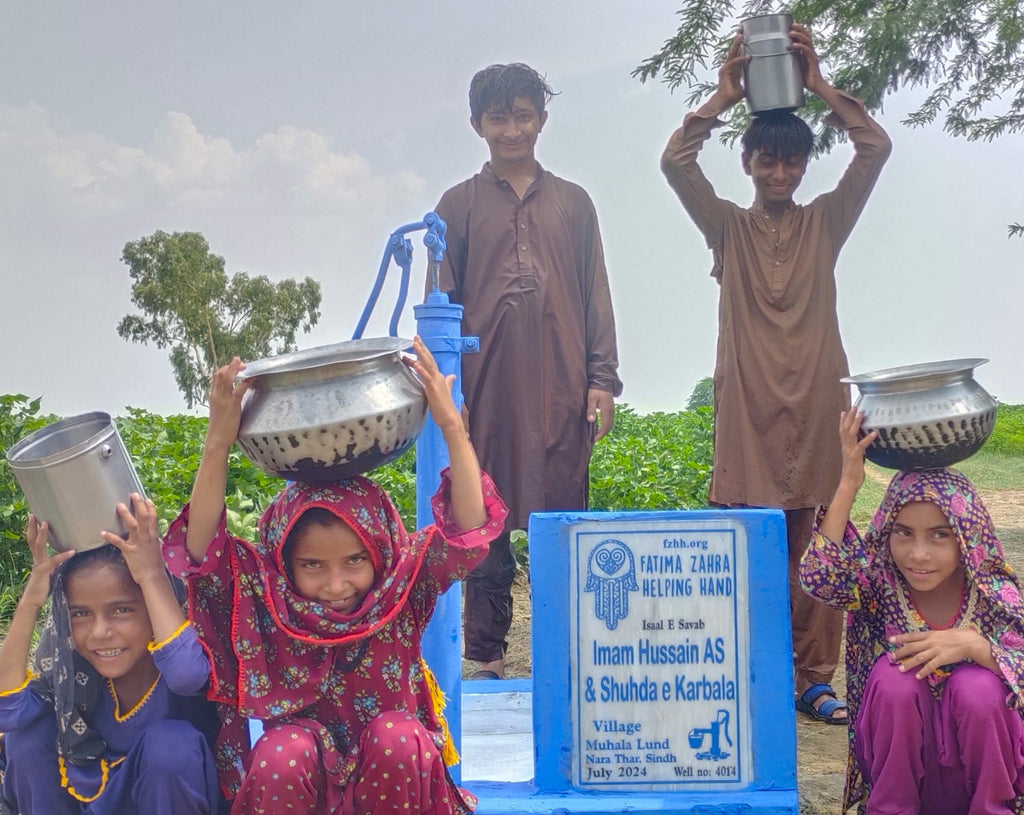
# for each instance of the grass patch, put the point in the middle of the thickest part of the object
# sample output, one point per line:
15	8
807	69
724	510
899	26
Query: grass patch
1008	434
994	470
999	465
869	496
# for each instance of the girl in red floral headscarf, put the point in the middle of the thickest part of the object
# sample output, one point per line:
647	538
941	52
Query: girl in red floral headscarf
934	643
315	629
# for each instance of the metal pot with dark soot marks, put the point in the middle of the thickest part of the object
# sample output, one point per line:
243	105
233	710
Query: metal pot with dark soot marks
929	415
331	412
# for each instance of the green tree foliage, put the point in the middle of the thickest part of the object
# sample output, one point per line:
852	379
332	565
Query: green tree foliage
702	395
967	53
190	305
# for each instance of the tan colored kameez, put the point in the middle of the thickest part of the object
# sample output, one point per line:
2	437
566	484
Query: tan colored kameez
780	356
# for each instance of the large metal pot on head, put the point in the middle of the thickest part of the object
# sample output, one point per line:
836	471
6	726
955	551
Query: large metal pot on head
772	77
74	473
929	415
331	412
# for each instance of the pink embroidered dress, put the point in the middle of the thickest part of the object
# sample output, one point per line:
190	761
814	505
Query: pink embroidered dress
282	658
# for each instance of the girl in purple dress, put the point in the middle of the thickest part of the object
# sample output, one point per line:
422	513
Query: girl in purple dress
934	643
114	718
315	628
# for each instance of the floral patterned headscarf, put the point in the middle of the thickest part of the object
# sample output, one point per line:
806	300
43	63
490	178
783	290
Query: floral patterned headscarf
270	615
993	603
283	658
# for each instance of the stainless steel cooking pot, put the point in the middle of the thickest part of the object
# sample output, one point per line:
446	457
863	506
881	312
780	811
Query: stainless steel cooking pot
928	415
331	412
772	77
74	473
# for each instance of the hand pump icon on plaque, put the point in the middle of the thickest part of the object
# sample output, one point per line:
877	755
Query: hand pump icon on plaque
611	575
717	728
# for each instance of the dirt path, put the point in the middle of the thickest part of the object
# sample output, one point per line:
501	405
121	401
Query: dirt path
821	749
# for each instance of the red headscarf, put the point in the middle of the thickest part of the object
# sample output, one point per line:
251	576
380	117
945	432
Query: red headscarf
279	656
269	616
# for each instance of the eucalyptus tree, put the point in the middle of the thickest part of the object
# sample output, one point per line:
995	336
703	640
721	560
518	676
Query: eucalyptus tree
190	305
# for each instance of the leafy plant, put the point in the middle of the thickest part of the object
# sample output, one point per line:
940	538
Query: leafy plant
521	550
399	481
19	416
166	452
653	461
648	462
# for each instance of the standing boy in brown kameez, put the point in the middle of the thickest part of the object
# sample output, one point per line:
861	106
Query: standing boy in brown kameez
525	260
780	357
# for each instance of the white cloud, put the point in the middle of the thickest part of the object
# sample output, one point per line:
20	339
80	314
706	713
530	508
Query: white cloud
289	203
182	168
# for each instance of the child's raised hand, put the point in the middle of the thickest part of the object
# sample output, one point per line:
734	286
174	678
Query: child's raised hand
438	388
141	550
37	589
853	447
225	405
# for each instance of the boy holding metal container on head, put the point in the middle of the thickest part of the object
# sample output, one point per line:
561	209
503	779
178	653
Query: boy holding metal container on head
525	260
780	356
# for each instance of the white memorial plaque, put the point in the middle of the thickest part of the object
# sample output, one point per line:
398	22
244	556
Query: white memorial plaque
659	631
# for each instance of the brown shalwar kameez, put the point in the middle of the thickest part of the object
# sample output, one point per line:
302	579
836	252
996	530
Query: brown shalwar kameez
530	274
780	357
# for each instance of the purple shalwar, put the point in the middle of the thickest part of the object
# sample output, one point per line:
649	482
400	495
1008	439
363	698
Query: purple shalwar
156	760
963	753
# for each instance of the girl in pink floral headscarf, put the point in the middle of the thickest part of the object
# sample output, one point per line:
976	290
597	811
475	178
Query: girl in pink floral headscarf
315	628
934	643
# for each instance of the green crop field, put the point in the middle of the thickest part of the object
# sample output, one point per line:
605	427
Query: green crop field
650	461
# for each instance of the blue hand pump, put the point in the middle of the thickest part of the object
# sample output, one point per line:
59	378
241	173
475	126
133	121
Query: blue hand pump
439	324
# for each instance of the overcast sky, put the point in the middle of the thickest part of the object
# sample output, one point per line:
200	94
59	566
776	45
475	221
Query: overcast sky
296	136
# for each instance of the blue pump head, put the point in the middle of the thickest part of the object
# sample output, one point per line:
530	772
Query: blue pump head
400	249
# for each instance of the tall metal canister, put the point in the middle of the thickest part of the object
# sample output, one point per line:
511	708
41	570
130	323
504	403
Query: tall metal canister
74	473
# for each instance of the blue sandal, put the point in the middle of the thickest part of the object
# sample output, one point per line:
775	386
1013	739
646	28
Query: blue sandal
825	712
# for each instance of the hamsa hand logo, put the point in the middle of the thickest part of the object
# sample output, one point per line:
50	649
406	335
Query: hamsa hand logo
611	575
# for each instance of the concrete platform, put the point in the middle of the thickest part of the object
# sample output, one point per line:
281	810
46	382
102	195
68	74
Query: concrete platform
497	766
497	730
